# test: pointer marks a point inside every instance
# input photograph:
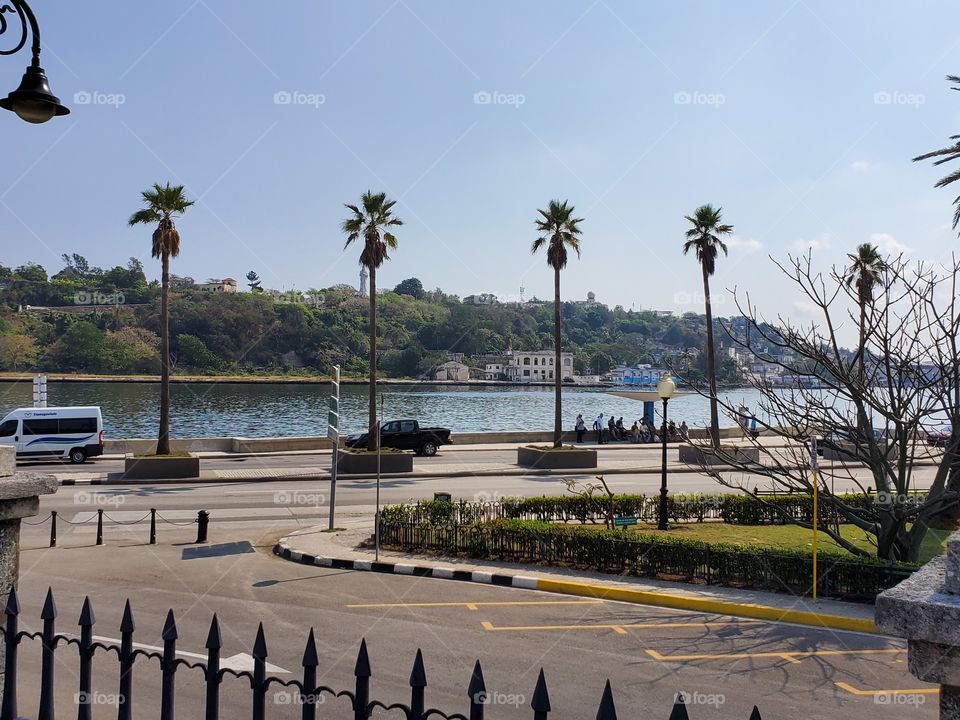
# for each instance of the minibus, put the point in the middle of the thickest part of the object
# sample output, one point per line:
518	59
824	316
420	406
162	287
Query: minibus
74	433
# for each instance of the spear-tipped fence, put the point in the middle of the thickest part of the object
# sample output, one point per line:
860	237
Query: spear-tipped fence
307	693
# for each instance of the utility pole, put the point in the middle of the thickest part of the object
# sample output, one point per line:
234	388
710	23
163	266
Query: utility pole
333	432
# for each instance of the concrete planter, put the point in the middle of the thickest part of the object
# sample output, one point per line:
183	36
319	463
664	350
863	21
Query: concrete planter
846	452
161	467
704	455
366	463
556	459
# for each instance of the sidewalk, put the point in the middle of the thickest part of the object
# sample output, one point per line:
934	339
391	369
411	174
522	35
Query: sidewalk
339	549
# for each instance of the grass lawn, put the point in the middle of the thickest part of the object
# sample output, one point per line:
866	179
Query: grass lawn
785	537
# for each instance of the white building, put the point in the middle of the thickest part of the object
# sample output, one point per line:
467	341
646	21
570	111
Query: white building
647	375
363	281
538	366
452	371
494	371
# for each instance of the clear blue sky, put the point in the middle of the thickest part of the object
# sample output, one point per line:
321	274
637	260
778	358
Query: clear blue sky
636	112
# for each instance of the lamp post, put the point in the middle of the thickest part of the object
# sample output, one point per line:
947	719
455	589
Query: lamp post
665	389
32	101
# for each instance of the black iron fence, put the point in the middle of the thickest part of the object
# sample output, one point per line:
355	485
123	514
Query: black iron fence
202	521
306	692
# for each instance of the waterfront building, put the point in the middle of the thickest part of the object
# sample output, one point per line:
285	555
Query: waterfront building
494	371
646	375
452	370
538	366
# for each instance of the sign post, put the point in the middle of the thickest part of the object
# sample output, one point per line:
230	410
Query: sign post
40	391
333	432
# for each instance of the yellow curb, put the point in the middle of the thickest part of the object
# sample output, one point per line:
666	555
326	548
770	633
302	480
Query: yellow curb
718	607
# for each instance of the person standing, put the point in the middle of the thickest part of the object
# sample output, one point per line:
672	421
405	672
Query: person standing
581	427
598	426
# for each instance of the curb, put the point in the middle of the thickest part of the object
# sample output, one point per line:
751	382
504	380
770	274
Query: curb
581	589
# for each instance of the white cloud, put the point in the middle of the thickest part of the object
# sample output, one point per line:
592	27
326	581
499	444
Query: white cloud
818	243
805	307
747	245
888	244
861	166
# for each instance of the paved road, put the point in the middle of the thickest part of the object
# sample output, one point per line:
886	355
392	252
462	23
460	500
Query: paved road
725	665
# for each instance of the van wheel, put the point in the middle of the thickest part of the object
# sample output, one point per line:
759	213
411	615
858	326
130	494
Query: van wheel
78	456
429	448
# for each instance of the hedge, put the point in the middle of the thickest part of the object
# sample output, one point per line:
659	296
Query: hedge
627	553
730	508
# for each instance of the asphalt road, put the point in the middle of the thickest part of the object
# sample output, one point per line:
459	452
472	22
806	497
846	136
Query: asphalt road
725	665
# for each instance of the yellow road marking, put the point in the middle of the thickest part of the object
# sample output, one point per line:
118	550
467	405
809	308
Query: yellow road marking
619	628
862	693
475	605
788	655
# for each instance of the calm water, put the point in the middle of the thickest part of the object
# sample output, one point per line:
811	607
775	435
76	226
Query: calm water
210	410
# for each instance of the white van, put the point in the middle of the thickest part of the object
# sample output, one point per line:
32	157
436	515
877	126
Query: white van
58	432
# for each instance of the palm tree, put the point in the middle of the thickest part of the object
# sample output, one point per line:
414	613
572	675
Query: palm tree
951	152
704	238
558	229
370	223
162	204
864	273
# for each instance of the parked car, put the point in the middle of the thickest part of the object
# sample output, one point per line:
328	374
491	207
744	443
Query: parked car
939	437
54	432
849	434
406	435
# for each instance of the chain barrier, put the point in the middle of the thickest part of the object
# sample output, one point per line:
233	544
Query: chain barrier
201	521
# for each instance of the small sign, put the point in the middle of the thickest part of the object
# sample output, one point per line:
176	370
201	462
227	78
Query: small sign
621	521
332	433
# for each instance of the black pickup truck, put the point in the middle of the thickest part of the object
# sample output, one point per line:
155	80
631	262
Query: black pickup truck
406	435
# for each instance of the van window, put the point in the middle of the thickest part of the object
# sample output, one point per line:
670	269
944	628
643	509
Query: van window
8	428
78	425
40	427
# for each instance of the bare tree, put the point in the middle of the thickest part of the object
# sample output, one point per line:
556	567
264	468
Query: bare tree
872	418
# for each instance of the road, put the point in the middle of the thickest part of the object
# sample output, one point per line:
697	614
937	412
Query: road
723	664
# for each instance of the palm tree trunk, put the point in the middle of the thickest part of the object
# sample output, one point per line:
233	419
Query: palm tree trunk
711	365
557	410
373	437
163	440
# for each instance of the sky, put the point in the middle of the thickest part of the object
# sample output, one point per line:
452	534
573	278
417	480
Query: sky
799	118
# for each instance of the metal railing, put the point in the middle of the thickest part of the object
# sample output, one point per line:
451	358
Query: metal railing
307	693
202	521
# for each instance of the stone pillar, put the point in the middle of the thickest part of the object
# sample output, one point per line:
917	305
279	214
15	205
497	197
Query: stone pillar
19	498
925	609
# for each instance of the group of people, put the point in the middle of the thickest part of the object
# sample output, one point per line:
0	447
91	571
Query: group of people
642	430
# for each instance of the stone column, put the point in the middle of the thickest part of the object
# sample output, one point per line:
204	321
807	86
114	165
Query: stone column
925	609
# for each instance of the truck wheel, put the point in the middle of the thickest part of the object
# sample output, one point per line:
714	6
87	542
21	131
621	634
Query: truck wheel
429	448
78	456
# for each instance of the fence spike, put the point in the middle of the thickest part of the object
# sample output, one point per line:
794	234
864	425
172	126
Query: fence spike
679	711
260	644
477	685
607	711
310	656
362	668
214	641
13	603
418	676
541	698
87	617
755	715
127	625
169	627
49	611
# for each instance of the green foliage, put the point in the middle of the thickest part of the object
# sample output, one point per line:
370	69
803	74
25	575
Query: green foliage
191	352
412	287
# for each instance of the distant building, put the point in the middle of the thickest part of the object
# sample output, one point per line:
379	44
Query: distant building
591	301
646	375
363	281
495	371
452	371
538	366
481	299
227	285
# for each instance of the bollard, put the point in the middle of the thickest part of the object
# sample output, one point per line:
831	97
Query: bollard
99	526
153	526
53	528
203	519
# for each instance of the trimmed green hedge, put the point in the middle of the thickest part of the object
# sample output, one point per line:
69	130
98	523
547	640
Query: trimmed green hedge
622	552
730	508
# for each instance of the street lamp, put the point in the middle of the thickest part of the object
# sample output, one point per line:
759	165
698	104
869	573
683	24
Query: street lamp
32	101
665	389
